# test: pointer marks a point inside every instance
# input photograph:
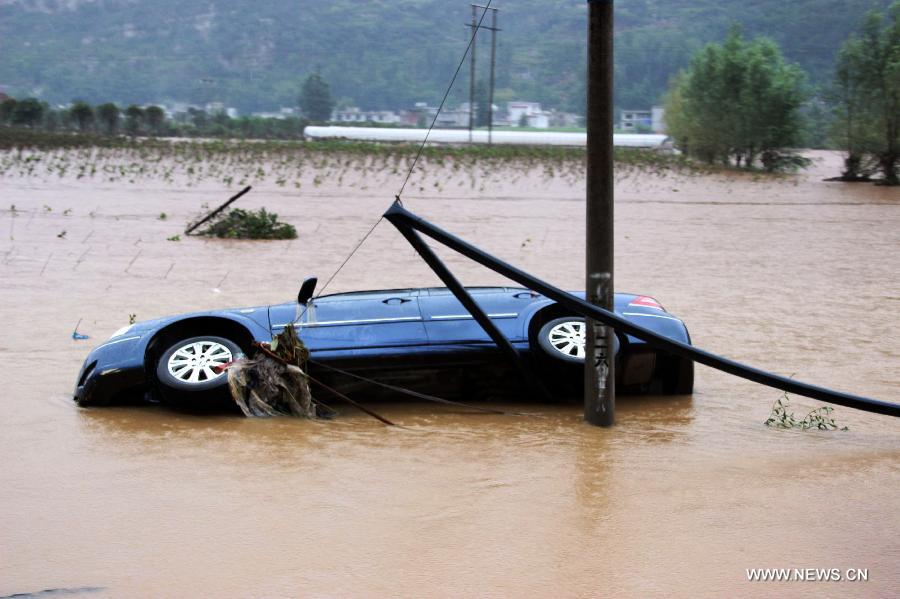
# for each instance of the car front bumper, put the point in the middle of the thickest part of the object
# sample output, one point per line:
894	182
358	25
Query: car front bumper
112	370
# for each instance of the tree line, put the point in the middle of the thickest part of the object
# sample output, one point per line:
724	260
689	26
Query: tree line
315	102
739	103
109	119
381	55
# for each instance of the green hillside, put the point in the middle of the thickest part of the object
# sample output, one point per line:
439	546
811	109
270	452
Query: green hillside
376	54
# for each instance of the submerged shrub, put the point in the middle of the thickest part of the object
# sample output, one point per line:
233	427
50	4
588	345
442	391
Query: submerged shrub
819	419
247	224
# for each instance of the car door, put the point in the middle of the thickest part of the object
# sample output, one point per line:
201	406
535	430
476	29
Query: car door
448	322
363	320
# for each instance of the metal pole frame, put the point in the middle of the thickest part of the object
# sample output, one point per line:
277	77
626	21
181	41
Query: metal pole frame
407	222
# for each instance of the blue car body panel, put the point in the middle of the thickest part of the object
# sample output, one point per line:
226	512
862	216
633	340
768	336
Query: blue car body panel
118	366
402	328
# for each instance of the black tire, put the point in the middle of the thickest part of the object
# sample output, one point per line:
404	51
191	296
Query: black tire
676	375
185	376
576	333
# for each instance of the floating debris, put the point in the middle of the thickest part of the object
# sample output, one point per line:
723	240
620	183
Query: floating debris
247	224
274	382
76	335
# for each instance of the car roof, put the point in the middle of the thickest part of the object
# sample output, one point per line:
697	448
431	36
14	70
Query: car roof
418	291
428	291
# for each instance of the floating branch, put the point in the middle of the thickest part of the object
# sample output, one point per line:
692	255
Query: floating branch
233	198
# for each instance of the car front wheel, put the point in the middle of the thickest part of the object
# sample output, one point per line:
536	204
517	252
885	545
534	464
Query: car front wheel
188	371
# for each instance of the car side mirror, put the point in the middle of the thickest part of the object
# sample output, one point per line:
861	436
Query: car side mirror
306	290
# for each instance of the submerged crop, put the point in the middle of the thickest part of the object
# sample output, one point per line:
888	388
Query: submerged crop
293	164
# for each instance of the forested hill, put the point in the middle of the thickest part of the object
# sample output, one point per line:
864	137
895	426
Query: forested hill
377	53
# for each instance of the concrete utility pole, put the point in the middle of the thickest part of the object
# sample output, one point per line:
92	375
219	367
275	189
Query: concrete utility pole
472	71
494	31
599	361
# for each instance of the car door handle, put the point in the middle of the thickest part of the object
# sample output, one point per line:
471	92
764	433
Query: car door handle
395	301
526	295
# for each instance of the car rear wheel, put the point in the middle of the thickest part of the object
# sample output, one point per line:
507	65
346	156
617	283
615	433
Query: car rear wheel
676	375
563	339
188	375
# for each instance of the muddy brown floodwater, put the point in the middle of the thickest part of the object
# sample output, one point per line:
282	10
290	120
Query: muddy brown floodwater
684	495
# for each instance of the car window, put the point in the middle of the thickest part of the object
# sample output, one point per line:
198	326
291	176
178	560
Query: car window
358	295
437	291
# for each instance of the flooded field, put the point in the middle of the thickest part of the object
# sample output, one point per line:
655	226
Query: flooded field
685	494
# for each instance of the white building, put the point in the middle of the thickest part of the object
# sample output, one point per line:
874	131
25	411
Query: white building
652	120
284	112
213	108
353	114
454	118
632	120
658	119
532	113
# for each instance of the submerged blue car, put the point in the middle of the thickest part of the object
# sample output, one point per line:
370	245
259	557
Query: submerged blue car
421	339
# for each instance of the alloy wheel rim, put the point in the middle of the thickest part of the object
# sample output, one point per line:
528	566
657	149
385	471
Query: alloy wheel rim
568	338
196	362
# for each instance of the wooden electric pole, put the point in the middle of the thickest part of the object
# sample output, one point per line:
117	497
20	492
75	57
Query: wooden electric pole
599	361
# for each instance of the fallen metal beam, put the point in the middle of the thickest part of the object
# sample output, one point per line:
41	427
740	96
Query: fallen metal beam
406	220
440	269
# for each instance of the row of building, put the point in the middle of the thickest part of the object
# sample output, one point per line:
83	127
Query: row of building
515	114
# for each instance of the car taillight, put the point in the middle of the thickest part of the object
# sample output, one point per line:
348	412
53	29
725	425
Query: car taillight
646	302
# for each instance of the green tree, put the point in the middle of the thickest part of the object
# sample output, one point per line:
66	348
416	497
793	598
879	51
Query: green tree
847	95
155	118
199	118
866	91
82	114
28	112
51	119
109	115
134	119
817	118
315	99
7	108
737	103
